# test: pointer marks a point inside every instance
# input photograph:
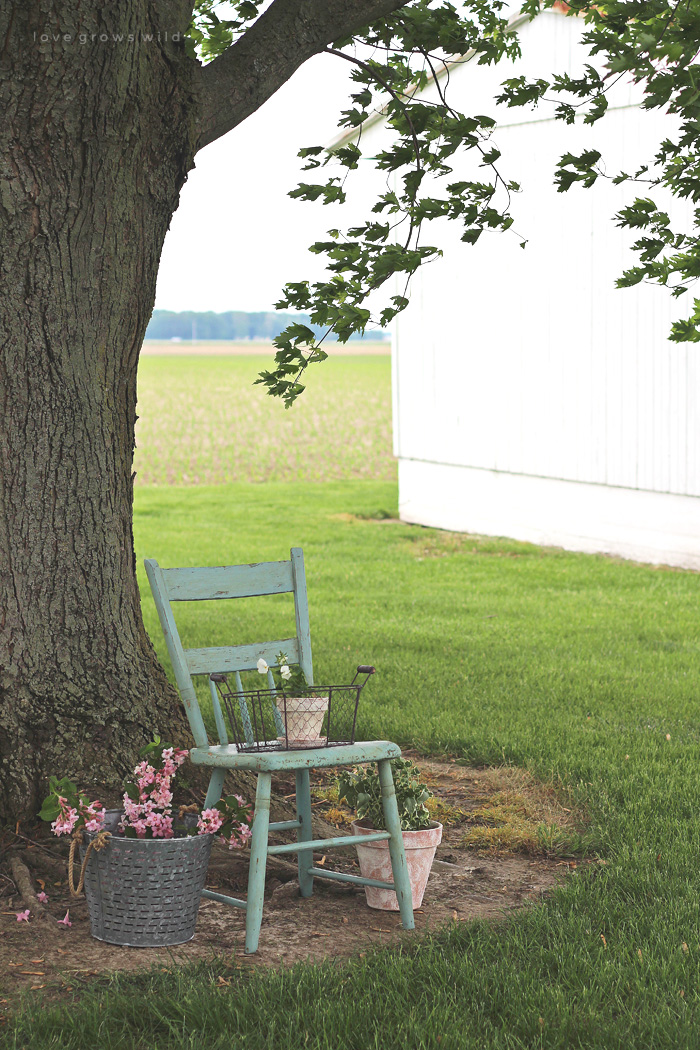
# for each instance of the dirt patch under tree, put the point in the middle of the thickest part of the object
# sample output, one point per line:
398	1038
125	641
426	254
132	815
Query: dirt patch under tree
503	847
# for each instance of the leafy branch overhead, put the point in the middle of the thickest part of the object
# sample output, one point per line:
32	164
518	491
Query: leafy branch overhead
653	44
401	55
414	47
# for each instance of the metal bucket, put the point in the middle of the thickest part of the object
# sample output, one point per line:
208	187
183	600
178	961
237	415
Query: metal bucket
145	893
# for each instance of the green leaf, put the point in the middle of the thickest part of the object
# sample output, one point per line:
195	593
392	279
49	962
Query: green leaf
50	809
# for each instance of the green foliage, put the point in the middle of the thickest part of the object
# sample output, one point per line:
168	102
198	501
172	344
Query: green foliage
409	49
290	678
654	42
208	36
63	788
360	788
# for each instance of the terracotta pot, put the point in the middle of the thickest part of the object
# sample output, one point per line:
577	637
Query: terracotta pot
375	863
303	717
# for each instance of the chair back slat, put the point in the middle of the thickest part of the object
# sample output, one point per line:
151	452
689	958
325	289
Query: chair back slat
228	658
218	713
229	581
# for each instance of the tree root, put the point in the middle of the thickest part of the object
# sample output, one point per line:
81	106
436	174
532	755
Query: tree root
23	881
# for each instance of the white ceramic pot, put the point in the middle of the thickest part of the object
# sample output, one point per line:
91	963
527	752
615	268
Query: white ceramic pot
303	717
375	863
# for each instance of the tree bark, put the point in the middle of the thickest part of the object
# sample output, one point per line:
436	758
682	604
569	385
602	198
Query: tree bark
101	114
96	141
283	38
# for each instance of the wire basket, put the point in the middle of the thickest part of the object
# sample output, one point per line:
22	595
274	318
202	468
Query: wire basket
270	720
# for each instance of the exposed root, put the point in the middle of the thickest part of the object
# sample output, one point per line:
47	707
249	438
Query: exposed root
23	881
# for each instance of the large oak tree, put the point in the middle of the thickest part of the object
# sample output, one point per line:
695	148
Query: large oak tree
96	140
103	107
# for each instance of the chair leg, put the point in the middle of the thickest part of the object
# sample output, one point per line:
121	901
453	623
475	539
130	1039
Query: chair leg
216	785
258	863
402	881
305	858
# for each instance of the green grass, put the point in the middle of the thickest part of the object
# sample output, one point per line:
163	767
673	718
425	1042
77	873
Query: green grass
203	422
583	669
574	666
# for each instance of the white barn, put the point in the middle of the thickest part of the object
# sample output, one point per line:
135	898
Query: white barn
531	398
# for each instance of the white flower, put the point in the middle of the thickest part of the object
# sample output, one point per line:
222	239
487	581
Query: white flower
262	666
285	672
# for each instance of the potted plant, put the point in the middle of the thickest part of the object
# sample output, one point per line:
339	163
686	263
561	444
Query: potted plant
360	789
301	712
144	866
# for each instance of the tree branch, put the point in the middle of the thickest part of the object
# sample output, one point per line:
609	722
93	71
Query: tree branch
265	57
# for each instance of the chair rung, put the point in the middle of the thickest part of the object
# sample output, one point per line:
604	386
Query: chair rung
284	825
223	899
358	880
341	840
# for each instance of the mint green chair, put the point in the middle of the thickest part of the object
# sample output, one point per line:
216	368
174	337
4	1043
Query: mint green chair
245	581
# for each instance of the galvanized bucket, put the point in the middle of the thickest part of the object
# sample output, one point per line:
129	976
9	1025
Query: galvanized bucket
145	893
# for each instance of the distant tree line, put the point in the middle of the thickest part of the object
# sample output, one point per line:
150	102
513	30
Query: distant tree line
234	324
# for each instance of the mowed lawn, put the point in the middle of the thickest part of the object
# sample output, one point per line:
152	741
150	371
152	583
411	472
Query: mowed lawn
584	669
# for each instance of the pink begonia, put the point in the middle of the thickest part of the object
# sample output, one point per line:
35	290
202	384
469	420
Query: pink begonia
42	897
23	916
65	921
210	821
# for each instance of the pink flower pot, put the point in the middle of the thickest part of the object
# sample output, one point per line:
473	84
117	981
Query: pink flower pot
375	863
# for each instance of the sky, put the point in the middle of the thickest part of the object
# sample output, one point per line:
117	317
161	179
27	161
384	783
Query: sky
237	237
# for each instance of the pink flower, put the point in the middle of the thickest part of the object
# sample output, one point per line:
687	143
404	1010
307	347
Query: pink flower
66	820
94	817
239	837
23	916
161	825
210	821
65	921
244	833
42	897
145	773
61	826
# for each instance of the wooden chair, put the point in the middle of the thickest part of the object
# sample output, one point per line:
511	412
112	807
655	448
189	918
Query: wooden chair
244	581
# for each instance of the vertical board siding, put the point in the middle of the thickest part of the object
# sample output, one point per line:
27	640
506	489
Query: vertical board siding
531	361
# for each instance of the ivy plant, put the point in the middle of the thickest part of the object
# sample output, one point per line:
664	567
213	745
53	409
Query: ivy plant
360	789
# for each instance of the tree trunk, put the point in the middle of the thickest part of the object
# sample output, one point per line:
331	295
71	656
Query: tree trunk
101	114
96	140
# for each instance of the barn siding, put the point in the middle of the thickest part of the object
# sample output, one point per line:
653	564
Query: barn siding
529	362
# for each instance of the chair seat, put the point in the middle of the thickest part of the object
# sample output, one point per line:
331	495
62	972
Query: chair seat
228	757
